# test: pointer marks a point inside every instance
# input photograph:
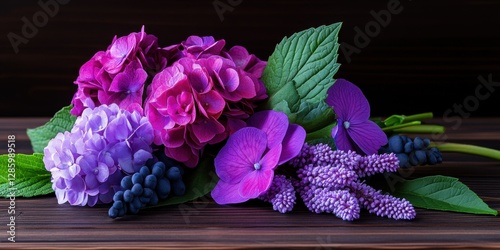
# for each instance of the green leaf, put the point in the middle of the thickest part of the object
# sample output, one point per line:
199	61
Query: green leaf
301	69
314	115
25	175
199	182
442	193
61	122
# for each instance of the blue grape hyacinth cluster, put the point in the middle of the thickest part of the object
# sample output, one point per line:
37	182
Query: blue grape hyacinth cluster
152	183
412	152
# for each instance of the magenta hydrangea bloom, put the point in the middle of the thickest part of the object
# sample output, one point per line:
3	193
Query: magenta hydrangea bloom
118	75
354	131
88	163
203	97
246	163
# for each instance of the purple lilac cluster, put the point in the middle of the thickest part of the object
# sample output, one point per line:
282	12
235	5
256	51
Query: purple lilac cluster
203	97
329	182
119	74
281	194
88	163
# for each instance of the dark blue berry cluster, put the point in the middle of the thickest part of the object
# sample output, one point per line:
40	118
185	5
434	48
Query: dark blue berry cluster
412	152
153	182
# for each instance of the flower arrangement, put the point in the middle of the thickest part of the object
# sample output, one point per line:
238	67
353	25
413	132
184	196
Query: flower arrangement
155	126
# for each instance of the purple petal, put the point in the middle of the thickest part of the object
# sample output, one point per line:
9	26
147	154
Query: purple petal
273	123
130	80
174	137
348	102
292	143
271	158
199	81
102	172
118	129
88	163
211	102
206	129
239	55
141	156
230	79
226	193
92	200
368	136
256	183
342	139
246	88
76	184
92	184
242	150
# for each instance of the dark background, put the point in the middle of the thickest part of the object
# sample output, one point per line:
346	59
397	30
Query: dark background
426	59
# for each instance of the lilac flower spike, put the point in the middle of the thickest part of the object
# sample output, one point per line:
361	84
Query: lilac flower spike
354	130
246	163
329	182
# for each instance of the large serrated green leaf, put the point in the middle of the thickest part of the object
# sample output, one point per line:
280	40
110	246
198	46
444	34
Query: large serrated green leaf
27	178
307	60
442	193
61	122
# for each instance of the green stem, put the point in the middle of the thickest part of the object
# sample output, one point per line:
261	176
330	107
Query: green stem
421	129
391	128
321	133
418	117
468	149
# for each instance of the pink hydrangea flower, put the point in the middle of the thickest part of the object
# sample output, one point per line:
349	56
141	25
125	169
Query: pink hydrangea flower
202	98
118	75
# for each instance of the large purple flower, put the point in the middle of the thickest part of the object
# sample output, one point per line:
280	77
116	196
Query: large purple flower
88	163
245	165
354	131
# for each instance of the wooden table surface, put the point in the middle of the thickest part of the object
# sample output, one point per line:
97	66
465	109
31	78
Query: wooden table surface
43	224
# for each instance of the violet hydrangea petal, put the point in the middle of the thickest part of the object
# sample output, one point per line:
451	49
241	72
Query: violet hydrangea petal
348	101
242	150
341	138
226	193
273	123
368	136
292	143
256	183
271	158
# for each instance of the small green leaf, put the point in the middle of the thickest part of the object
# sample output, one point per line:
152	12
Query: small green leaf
442	193
394	120
25	176
199	182
301	70
61	122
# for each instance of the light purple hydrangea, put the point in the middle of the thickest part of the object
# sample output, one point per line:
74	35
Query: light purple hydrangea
203	97
88	163
329	182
